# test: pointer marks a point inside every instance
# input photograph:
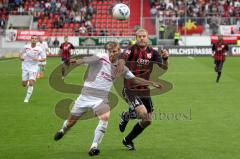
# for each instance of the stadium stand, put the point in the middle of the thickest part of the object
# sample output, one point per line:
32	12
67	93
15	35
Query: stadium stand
200	12
93	17
69	17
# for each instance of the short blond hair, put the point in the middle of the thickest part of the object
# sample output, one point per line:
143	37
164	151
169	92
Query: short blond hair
141	30
112	44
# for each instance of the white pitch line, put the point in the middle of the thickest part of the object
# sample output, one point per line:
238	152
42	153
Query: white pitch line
190	57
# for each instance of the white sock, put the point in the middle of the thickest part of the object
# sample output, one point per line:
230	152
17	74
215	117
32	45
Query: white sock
99	133
64	127
29	92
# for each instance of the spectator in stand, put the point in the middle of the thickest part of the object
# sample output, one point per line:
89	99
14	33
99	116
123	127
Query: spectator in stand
56	42
83	30
49	41
77	17
2	23
21	10
90	10
53	6
58	6
10	26
18	2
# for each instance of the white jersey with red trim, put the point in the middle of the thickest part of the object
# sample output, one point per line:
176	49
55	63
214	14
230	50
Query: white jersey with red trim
101	73
45	49
44	46
29	55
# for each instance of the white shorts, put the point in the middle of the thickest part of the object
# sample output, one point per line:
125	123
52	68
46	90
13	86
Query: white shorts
85	103
28	75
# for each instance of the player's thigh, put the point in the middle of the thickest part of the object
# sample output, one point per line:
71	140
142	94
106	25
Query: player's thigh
141	111
147	102
25	75
132	100
221	65
32	77
102	110
65	63
79	108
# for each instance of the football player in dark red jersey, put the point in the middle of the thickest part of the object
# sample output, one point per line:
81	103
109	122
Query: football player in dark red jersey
139	58
65	52
219	52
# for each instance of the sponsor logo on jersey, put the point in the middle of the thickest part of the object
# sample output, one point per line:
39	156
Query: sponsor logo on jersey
149	55
143	61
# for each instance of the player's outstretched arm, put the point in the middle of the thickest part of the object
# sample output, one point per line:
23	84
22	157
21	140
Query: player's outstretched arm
83	60
164	54
120	66
77	61
21	56
141	81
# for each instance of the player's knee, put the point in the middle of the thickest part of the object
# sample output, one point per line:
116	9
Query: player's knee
145	123
105	117
24	84
30	83
142	112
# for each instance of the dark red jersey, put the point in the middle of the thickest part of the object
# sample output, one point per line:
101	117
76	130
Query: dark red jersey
66	47
140	62
220	50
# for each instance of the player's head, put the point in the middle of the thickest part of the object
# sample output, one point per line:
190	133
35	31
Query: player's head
142	38
113	50
65	39
34	39
220	38
40	39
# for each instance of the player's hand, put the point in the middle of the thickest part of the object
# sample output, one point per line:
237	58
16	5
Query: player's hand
164	53
156	85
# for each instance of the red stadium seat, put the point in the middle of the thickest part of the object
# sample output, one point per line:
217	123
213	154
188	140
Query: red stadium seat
66	25
71	25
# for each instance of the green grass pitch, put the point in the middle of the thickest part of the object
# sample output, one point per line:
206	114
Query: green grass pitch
208	128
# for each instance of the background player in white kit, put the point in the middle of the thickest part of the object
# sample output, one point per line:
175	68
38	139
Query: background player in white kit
94	95
30	58
43	44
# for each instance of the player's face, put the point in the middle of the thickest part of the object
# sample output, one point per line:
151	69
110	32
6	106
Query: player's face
220	38
66	39
113	54
142	39
34	39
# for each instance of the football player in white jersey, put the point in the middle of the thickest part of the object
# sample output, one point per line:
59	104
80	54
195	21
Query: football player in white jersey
30	58
94	95
43	44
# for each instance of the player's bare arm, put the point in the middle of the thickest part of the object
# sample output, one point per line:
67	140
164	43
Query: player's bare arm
21	56
120	66
77	61
164	54
141	81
